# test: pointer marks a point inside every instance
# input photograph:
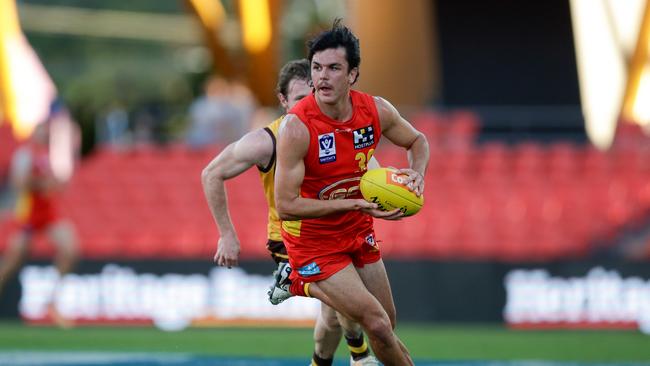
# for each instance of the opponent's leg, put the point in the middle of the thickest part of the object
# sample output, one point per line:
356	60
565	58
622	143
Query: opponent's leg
279	290
327	335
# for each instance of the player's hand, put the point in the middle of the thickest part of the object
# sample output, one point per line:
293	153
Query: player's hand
359	204
227	251
393	215
373	210
414	180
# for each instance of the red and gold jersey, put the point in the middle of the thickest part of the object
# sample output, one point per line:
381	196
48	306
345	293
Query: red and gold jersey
36	208
337	157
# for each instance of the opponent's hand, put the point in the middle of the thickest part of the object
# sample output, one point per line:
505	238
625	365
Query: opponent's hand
414	180
227	251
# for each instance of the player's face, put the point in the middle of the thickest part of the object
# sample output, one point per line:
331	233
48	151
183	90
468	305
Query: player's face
296	90
331	75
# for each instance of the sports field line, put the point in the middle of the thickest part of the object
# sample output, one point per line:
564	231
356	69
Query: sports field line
31	358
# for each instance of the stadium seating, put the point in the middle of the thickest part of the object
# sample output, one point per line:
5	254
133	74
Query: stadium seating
484	201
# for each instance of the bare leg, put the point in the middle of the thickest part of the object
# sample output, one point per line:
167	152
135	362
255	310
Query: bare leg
13	257
327	333
351	329
376	280
345	292
63	235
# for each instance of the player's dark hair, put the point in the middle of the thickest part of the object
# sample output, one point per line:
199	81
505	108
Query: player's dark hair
338	36
296	69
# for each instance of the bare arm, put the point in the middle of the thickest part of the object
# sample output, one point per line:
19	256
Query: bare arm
293	144
400	132
20	173
254	148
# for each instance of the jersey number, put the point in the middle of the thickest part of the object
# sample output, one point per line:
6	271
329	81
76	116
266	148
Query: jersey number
363	160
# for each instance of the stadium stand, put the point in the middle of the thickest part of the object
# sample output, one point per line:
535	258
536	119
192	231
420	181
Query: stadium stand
484	201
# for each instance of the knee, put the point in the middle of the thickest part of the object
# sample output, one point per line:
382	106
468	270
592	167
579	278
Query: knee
379	327
393	319
69	250
329	319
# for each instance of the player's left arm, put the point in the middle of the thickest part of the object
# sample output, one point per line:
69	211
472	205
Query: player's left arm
401	133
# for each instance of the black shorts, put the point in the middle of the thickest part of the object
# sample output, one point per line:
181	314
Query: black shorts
277	250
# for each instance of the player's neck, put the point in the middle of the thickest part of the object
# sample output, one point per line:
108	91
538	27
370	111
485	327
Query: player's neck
340	111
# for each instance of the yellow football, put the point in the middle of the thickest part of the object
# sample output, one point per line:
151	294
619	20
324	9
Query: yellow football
386	188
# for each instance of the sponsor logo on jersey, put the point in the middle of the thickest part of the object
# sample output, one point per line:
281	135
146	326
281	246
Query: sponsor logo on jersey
363	137
326	148
345	188
309	270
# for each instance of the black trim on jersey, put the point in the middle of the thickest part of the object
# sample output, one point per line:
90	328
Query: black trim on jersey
272	161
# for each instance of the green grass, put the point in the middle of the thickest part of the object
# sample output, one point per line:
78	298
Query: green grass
424	342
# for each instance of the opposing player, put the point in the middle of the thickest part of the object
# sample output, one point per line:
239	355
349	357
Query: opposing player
324	145
257	148
36	211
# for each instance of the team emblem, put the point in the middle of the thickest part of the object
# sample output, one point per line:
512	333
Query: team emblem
326	148
370	239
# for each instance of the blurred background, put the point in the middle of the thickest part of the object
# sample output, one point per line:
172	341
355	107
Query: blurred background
537	211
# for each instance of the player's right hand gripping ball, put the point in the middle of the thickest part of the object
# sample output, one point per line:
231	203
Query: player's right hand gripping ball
386	188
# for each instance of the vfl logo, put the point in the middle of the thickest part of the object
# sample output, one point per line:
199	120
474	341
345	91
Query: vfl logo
363	137
309	270
326	148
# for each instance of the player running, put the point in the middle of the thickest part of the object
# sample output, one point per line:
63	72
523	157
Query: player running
258	148
323	149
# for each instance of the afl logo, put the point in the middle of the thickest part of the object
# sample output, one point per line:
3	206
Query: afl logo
346	188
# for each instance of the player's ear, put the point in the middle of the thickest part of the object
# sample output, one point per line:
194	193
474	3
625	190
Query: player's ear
352	75
283	100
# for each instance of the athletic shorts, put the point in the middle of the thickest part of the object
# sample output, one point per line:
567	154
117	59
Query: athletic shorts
277	250
39	220
316	259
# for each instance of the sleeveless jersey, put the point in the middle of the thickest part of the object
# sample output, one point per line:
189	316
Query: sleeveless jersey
336	159
267	175
37	209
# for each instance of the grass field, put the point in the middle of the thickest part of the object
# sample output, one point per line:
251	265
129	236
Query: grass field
443	342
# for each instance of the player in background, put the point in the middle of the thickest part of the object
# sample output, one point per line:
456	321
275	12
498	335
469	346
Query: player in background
36	211
324	145
257	148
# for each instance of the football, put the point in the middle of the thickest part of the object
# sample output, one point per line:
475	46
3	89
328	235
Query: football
385	187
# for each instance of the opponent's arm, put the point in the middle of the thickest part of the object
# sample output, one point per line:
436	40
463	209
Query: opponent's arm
293	144
400	132
254	148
